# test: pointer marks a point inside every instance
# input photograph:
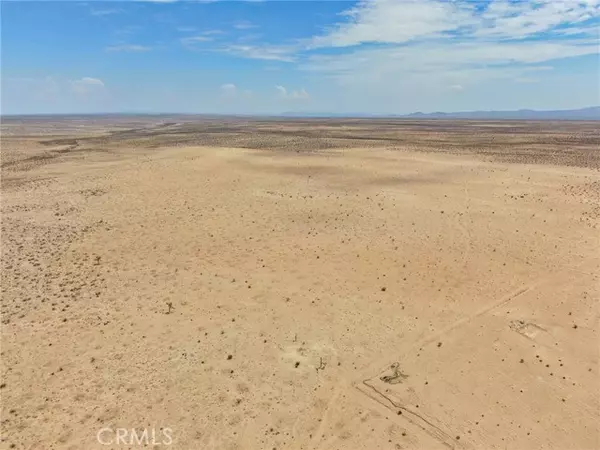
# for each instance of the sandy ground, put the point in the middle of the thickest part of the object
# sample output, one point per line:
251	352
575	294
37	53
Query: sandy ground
355	296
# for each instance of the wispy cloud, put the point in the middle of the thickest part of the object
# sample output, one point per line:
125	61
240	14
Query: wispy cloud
513	20
453	61
105	12
228	89
244	25
264	52
189	29
128	30
128	48
87	85
396	22
212	32
378	40
203	37
190	41
388	42
291	95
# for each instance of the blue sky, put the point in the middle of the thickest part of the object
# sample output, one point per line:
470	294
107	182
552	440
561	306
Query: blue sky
265	57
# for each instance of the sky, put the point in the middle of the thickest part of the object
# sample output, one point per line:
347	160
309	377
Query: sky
271	57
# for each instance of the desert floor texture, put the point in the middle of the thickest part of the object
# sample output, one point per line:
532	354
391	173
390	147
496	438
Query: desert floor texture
300	284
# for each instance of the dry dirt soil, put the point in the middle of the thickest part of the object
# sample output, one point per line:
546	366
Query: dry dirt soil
316	284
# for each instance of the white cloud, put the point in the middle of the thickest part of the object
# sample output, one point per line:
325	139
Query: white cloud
105	12
265	52
87	85
205	36
192	40
433	59
293	95
418	77
421	41
232	93
212	32
91	81
441	40
582	31
128	30
395	21
512	20
456	87
128	48
244	25
229	89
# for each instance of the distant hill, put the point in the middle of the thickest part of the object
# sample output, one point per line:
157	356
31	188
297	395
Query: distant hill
591	113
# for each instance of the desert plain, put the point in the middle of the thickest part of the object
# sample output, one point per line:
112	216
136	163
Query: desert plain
297	284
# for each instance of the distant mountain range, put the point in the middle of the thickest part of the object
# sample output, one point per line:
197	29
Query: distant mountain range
591	113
